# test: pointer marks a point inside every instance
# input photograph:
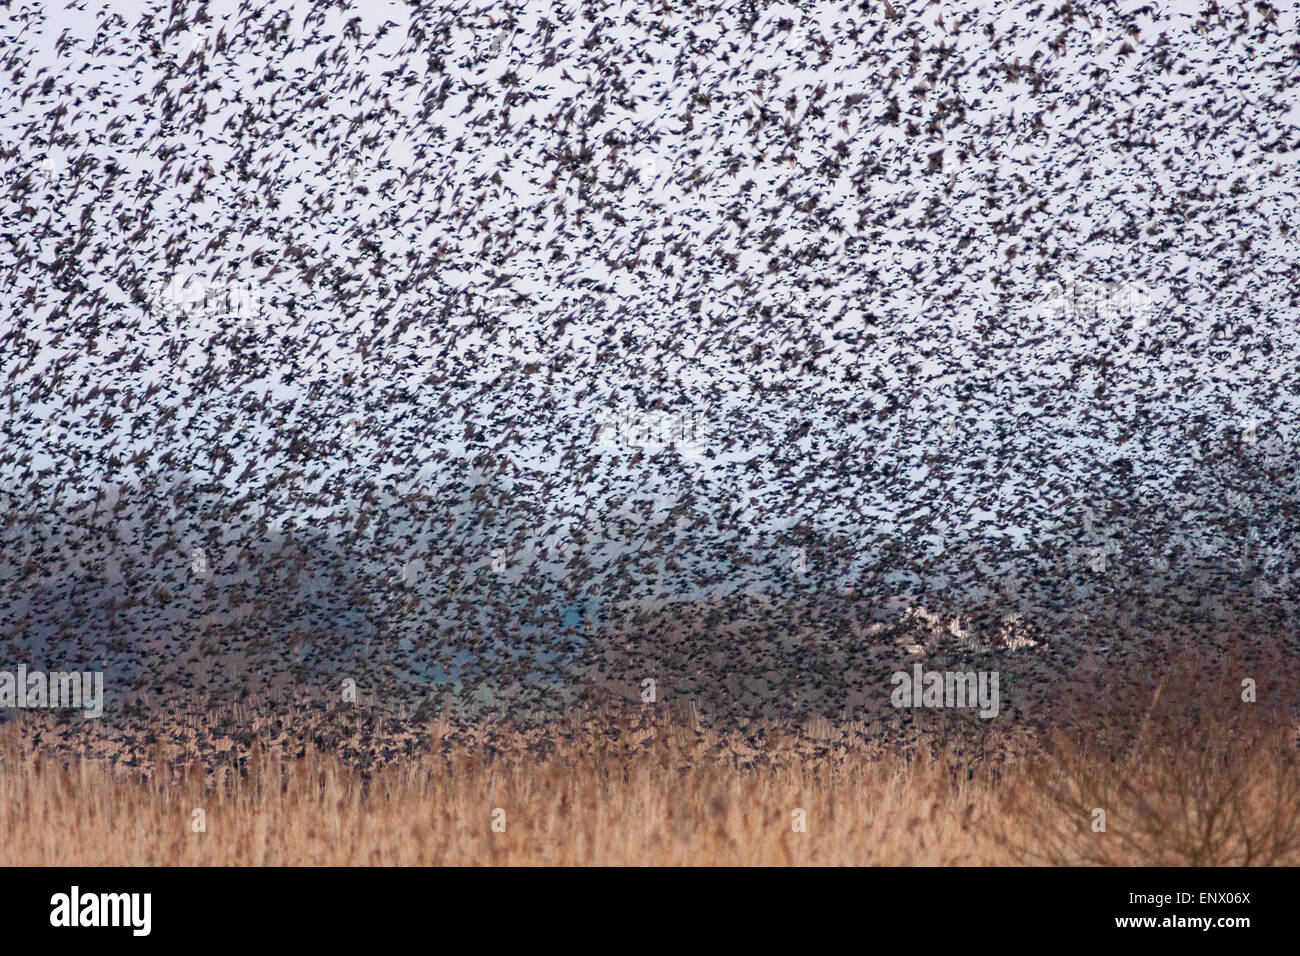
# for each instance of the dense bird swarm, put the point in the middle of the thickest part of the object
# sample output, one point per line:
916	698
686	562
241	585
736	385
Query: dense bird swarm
498	354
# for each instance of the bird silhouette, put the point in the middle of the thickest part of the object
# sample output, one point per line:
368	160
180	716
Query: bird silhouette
499	357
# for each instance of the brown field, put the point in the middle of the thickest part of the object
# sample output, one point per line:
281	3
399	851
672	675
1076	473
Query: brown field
1190	776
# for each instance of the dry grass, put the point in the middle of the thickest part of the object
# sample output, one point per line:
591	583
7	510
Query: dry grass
655	800
1187	772
659	796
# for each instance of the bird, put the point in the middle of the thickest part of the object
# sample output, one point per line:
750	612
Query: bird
497	359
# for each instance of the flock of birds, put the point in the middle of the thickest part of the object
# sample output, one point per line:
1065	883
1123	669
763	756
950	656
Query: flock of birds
495	349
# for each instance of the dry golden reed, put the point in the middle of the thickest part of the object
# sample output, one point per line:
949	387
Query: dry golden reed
1187	766
660	800
661	795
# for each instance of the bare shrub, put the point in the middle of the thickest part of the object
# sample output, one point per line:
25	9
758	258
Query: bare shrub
1185	770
